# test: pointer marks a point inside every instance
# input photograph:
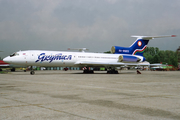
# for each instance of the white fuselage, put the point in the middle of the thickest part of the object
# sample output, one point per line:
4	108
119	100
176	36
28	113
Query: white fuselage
60	58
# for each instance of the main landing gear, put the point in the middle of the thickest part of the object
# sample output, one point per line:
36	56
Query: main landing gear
32	71
112	71
86	70
13	70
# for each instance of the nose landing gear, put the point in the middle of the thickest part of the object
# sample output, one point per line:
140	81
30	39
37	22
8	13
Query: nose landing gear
32	71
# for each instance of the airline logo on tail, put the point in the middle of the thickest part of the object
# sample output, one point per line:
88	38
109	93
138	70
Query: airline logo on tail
139	51
139	43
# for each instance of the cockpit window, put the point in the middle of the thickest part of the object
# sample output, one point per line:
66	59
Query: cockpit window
14	54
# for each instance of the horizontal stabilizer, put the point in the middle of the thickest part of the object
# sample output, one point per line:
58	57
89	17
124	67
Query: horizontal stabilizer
152	37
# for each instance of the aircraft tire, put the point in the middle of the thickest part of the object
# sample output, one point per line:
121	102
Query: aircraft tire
88	71
13	70
112	72
32	72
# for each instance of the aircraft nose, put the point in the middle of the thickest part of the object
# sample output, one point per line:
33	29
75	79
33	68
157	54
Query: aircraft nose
7	60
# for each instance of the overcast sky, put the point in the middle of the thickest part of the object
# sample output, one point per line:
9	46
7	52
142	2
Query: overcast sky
95	24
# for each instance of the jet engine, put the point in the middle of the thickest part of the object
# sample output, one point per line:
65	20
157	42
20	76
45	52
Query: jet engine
124	58
113	49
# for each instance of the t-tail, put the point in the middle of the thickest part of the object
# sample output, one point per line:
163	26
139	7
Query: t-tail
138	47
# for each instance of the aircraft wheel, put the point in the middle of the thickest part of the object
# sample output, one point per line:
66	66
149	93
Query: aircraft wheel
32	72
13	69
112	72
88	71
116	72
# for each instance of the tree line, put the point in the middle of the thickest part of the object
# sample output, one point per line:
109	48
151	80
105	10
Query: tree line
154	55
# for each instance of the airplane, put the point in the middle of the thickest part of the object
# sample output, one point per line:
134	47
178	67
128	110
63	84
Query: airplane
122	56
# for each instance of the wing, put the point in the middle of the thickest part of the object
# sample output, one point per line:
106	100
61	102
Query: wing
98	63
4	65
156	64
108	64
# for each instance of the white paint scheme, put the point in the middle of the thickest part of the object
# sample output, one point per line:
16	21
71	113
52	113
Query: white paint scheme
80	59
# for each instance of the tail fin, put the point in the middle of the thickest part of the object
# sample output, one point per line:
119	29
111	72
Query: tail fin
138	47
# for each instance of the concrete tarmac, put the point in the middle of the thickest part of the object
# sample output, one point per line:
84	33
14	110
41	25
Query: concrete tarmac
71	95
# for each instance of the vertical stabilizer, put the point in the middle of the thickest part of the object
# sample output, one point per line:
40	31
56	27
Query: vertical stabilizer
138	47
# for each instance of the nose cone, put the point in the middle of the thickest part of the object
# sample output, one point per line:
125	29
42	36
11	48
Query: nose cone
7	59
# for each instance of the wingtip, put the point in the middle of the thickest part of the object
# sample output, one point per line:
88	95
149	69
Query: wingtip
173	36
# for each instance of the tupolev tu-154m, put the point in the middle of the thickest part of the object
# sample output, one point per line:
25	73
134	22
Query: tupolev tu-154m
122	56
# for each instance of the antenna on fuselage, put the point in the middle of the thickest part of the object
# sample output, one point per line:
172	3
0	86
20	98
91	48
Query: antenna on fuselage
80	49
